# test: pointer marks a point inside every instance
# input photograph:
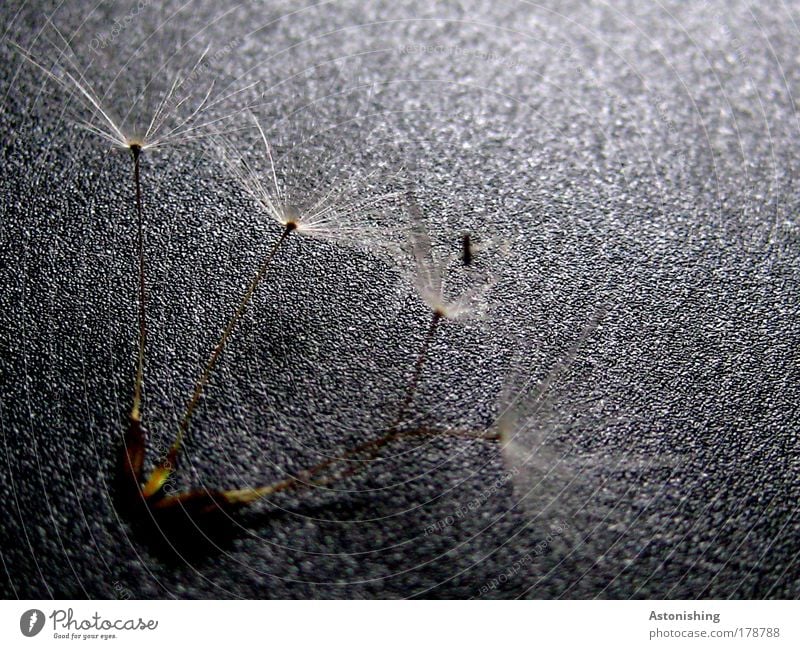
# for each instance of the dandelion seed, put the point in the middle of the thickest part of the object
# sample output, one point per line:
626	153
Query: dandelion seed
358	458
178	118
529	423
326	218
355	459
167	466
166	127
554	480
448	297
452	295
341	213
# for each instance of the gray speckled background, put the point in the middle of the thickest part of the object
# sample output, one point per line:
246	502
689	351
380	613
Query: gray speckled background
637	156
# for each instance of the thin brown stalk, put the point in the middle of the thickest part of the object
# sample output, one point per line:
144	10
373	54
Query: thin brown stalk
163	470
422	356
135	439
357	457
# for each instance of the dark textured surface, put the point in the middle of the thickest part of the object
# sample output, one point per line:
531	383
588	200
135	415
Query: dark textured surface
640	157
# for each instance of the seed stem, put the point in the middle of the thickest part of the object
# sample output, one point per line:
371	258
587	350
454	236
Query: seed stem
370	448
422	356
133	460
137	390
162	472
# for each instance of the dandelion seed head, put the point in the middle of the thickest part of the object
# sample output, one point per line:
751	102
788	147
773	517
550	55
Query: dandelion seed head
443	282
342	211
185	112
541	424
292	216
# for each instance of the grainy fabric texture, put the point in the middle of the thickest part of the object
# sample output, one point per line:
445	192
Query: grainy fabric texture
633	159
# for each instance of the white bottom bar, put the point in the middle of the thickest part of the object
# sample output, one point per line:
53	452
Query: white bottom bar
400	624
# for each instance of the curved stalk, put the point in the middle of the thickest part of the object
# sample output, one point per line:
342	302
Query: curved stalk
305	479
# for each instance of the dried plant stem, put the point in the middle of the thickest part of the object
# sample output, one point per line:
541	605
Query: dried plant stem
135	438
357	458
328	471
422	356
163	470
363	453
137	391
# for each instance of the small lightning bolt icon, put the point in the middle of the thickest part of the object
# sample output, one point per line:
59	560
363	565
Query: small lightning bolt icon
32	621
